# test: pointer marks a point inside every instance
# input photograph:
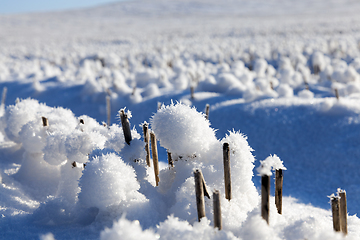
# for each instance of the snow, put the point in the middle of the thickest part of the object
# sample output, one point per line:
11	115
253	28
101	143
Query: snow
182	130
268	70
269	164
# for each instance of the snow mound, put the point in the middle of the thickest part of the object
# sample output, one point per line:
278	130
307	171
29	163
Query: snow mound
111	179
182	129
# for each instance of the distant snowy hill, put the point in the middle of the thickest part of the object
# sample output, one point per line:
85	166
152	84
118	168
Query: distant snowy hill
197	17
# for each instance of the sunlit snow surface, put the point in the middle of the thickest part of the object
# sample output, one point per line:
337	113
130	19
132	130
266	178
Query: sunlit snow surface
268	70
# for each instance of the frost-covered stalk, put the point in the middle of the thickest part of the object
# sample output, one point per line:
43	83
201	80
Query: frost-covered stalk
343	211
227	173
45	121
192	90
108	110
265	196
3	96
170	160
207	109
279	178
125	126
217	210
159	104
335	206
270	163
199	192
155	157
146	140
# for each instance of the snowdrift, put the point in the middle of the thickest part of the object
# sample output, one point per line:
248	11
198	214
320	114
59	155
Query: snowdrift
77	172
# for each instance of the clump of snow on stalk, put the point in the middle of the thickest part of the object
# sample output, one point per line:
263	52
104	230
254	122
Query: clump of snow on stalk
187	135
176	229
339	190
53	154
33	136
125	229
172	228
23	124
107	181
256	228
244	194
228	83
182	130
242	165
260	67
16	116
284	90
48	236
318	60
306	94
270	163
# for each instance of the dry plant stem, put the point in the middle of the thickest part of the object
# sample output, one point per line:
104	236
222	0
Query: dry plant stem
192	90
306	85
199	192
206	193
278	189
159	104
343	212
217	210
316	69
45	121
108	110
155	157
337	93
335	206
227	173
147	144
207	109
170	160
3	96
265	196
125	126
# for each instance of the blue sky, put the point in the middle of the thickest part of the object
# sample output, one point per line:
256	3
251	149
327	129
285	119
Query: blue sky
21	6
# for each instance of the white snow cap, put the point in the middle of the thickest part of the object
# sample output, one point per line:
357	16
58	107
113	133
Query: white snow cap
339	190
106	181
182	129
270	163
127	113
48	236
337	196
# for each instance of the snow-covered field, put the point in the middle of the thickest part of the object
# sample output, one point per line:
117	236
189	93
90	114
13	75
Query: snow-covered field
269	71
